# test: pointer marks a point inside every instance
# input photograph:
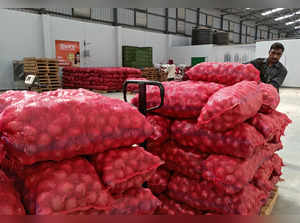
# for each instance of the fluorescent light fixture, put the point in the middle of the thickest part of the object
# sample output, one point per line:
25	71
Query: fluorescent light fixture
284	17
271	11
297	27
289	23
292	22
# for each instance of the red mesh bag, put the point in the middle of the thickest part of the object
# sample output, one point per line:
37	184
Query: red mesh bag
266	125
10	203
268	175
135	201
182	99
11	97
65	124
125	168
229	174
271	98
171	207
202	195
185	161
66	187
223	73
231	106
282	121
161	129
2	152
242	141
158	183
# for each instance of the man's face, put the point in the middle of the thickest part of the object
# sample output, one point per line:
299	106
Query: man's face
275	55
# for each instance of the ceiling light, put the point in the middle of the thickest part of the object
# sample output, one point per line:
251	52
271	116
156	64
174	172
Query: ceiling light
297	27
271	11
289	23
292	22
284	17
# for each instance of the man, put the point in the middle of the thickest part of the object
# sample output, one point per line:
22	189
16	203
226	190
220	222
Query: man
271	70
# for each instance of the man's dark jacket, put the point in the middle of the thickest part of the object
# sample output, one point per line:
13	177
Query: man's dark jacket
274	74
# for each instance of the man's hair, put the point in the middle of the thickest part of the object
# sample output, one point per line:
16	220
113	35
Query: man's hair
277	46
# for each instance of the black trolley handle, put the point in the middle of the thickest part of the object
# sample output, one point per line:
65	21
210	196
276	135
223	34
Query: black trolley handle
142	94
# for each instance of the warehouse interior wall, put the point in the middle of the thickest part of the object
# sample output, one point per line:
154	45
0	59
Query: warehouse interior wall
21	36
183	54
100	40
31	35
213	53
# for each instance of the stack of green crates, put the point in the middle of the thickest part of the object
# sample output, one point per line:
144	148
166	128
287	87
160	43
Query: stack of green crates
138	57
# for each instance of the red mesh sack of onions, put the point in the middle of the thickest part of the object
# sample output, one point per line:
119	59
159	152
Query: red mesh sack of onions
11	97
186	161
202	196
65	124
271	98
223	73
161	129
265	125
135	201
158	183
182	99
66	187
125	168
242	141
229	174
282	122
10	201
171	207
231	106
2	152
268	175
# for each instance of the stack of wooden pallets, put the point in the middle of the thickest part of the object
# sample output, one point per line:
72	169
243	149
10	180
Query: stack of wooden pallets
54	74
30	66
46	70
154	74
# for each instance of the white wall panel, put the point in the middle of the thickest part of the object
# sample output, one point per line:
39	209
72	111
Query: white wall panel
105	14
172	12
156	22
125	16
225	24
172	25
183	55
202	19
191	16
21	36
66	11
217	23
160	11
189	28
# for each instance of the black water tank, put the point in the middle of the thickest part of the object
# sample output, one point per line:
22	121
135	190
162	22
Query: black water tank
202	36
221	38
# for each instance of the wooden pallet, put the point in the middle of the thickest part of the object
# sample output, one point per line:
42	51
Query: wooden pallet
46	70
267	209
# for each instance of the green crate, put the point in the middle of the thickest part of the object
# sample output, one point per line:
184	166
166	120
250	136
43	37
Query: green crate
138	57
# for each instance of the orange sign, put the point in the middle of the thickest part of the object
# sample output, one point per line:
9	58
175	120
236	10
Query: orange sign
67	53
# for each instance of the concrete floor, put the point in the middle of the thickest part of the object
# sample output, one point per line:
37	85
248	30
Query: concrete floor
289	190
